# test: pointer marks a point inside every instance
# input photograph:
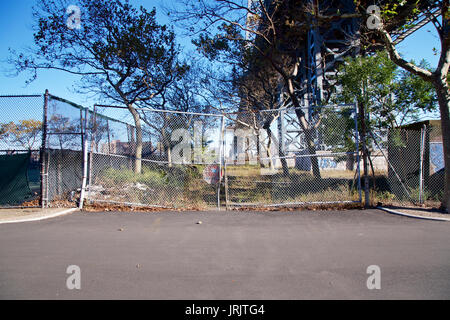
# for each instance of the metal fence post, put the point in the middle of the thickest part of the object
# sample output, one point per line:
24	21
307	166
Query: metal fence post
422	150
85	161
221	157
358	166
91	153
362	116
44	172
226	185
281	134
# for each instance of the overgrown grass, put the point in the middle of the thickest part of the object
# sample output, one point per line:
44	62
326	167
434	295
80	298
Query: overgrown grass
248	184
176	186
148	177
183	186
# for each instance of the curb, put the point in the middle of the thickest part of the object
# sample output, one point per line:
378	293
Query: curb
411	215
54	215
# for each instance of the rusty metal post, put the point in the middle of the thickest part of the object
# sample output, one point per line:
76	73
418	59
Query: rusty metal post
43	158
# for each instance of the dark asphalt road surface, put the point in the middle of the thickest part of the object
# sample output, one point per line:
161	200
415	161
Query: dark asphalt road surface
231	255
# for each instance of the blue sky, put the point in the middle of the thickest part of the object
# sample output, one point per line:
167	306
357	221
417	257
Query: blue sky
16	32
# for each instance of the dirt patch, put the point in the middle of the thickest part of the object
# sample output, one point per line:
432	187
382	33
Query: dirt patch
32	203
96	207
314	207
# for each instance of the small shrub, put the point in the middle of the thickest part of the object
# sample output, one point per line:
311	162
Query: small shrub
121	176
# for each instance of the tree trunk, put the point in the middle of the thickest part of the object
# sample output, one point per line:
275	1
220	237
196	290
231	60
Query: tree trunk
169	156
301	118
138	145
306	129
247	150
258	149
283	160
374	186
350	163
281	150
166	146
362	116
309	140
269	151
442	90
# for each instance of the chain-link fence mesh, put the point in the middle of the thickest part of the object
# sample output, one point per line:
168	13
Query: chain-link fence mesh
271	159
408	166
21	127
172	161
199	160
66	123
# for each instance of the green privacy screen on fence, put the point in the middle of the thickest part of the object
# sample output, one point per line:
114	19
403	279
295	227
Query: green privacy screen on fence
14	187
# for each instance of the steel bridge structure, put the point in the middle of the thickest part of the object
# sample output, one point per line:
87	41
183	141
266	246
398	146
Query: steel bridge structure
325	47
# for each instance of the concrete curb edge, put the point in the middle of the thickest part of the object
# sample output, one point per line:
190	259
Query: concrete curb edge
54	215
411	215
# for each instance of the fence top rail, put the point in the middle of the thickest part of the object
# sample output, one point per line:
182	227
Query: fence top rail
318	155
222	114
96	114
19	150
154	161
68	102
306	108
288	108
165	111
21	96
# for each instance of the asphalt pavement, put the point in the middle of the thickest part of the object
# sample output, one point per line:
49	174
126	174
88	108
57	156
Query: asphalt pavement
226	255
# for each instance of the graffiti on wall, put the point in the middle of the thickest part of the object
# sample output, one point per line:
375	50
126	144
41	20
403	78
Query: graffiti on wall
436	156
326	163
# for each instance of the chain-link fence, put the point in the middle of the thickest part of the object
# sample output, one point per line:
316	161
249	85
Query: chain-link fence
21	128
408	166
63	156
55	152
169	159
271	159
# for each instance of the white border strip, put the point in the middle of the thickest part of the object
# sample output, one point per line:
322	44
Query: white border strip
412	215
57	214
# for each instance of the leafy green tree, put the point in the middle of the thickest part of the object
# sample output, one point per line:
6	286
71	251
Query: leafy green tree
390	96
403	13
369	81
386	96
121	53
413	97
25	133
60	127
